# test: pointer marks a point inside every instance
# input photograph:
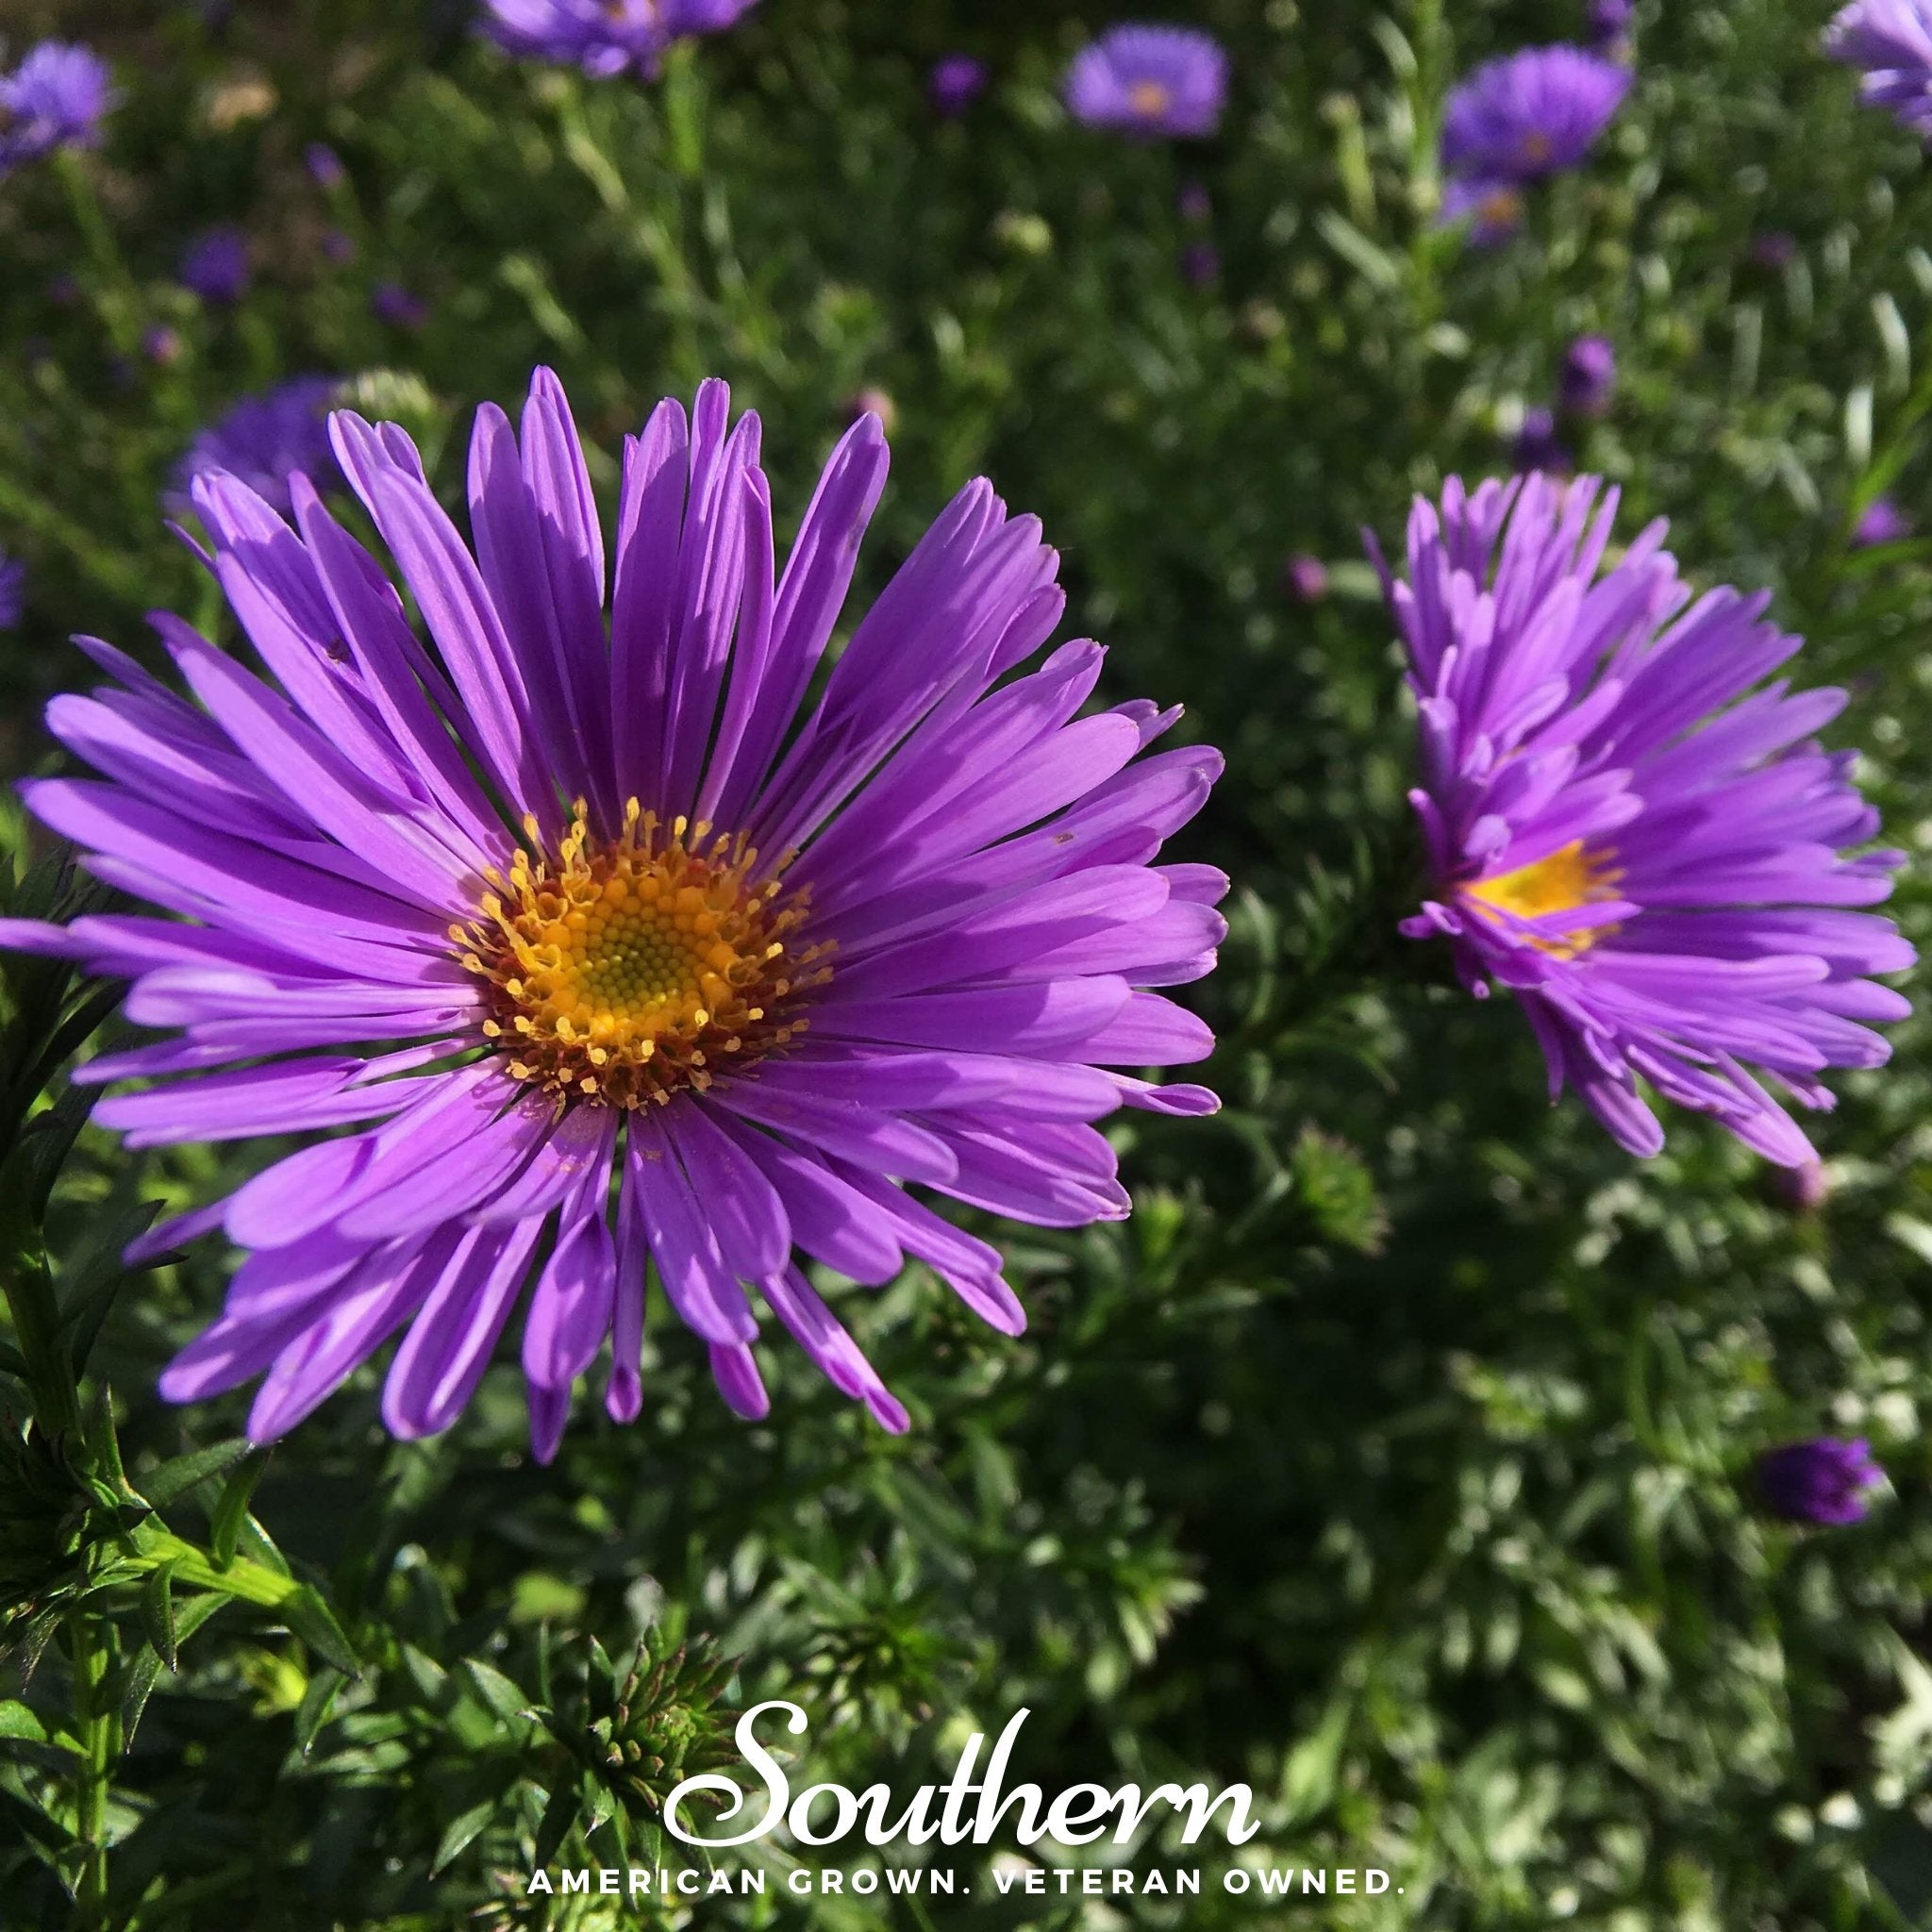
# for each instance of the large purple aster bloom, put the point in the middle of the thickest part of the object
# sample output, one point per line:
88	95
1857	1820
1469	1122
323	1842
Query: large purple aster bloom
1534	113
1823	1481
606	37
1891	41
266	440
57	98
616	945
1630	830
1150	81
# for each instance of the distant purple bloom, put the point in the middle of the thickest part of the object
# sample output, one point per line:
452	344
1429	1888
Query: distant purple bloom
1774	249
873	401
392	303
218	264
266	440
1587	378
13	590
1881	522
956	82
1805	1189
63	292
162	344
1536	446
606	37
1609	23
1891	41
806	935
324	165
1150	81
1492	208
1304	578
1197	205
1626	827
1823	1481
338	246
1529	114
57	98
1200	264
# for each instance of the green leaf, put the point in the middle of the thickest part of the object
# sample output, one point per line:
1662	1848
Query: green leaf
314	1622
158	1614
141	1675
501	1697
558	1816
460	1834
173	1478
18	1721
317	1701
224	1524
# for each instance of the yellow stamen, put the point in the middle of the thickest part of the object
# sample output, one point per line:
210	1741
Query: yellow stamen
1150	99
1569	878
1538	148
1501	208
615	964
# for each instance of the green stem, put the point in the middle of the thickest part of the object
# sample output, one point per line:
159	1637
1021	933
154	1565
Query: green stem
97	1724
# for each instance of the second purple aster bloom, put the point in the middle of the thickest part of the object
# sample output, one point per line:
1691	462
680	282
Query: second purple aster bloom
606	37
1151	82
57	98
218	265
1880	522
636	944
1823	1481
1627	827
1891	43
266	440
955	83
1587	378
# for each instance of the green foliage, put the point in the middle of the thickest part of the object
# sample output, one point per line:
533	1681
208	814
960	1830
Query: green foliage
1393	1458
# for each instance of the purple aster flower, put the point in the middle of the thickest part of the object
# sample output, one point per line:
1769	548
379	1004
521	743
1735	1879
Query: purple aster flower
1587	378
1774	249
324	165
1200	264
1304	578
1608	28
162	344
1891	41
267	440
606	37
1529	114
1823	1481
338	246
1492	208
955	83
13	590
626	943
1626	827
218	264
1536	446
1194	205
57	98
1805	1189
392	303
1880	522
1150	81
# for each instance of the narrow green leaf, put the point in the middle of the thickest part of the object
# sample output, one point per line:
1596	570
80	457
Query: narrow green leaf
173	1478
314	1622
18	1721
558	1816
460	1833
317	1701
224	1525
501	1697
158	1614
141	1675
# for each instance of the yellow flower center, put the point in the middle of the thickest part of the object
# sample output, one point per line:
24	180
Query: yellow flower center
1569	878
1150	99
1538	148
625	969
1503	208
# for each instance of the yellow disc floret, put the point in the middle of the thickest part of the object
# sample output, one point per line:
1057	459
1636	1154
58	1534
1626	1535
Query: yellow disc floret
622	969
1570	877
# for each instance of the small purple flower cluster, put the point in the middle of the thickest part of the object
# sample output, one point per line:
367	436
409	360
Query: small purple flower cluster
58	97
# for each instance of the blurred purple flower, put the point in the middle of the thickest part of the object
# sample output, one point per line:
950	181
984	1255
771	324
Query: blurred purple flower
1608	27
872	401
1805	1189
162	344
266	438
1774	249
1628	828
955	83
57	98
1891	41
1304	578
1880	522
1492	208
63	292
13	590
1150	81
324	165
606	37
1536	446
1200	264
218	264
1534	113
338	246
1197	205
1587	378
390	302
1823	1481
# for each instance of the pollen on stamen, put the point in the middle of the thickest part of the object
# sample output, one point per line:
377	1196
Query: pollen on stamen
620	966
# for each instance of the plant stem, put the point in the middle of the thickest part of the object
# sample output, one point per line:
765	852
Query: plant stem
97	1725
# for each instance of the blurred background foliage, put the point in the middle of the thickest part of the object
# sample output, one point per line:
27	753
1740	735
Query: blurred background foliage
1394	1457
